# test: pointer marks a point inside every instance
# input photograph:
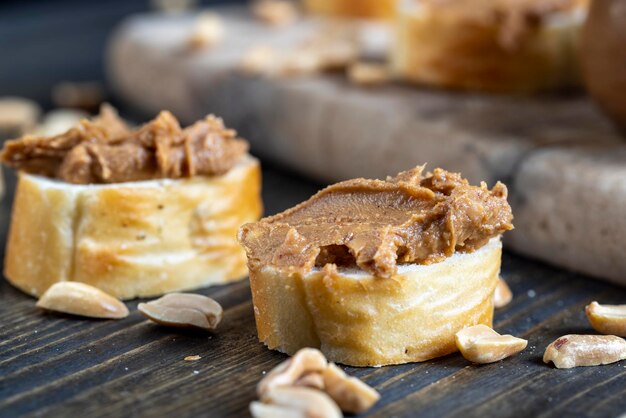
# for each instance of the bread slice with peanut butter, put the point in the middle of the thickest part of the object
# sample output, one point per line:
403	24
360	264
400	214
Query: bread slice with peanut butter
135	213
377	272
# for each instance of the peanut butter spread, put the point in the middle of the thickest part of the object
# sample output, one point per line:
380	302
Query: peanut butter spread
514	18
376	224
105	150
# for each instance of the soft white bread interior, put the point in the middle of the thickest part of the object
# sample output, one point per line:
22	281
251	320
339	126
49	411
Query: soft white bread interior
361	320
450	50
134	239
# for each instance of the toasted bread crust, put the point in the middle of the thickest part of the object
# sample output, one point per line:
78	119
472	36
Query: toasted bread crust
132	239
447	51
361	320
371	9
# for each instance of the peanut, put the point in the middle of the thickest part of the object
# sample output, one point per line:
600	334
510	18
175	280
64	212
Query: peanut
183	310
17	115
607	319
295	402
301	62
333	54
351	394
309	369
275	12
313	380
259	60
481	344
83	300
207	31
368	74
585	350
306	360
502	295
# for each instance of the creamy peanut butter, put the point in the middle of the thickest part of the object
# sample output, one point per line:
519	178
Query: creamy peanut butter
376	224
105	150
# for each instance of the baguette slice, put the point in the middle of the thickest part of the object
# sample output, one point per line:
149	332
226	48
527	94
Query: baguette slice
360	320
448	50
367	9
134	239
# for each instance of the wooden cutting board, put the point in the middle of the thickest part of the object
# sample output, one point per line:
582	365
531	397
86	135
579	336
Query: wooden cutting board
563	162
61	366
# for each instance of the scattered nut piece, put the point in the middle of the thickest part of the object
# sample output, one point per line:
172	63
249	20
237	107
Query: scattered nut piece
300	62
295	402
311	57
207	31
87	95
336	47
309	369
83	300
184	310
306	360
481	344
313	380
275	12
17	115
192	358
259	60
351	394
502	295
338	56
585	350
368	74
607	319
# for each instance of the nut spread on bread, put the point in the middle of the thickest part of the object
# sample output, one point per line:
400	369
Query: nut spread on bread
514	18
105	150
377	224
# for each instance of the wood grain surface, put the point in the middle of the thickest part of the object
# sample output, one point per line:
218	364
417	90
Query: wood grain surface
61	366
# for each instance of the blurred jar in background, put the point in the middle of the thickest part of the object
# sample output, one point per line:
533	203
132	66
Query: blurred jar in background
368	20
604	57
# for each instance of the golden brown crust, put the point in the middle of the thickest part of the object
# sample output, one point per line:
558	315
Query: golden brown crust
372	9
496	46
513	18
360	320
132	239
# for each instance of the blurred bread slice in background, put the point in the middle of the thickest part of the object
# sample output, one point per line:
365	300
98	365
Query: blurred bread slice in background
492	46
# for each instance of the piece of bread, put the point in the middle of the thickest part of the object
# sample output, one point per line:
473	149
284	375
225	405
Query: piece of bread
369	9
490	46
378	272
361	320
134	239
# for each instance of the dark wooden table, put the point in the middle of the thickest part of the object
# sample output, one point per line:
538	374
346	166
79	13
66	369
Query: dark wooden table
61	366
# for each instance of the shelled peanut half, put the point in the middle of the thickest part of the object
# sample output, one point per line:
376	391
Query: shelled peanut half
592	350
307	385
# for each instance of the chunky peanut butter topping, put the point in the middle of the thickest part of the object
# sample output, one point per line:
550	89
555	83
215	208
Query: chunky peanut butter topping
515	18
105	150
376	224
